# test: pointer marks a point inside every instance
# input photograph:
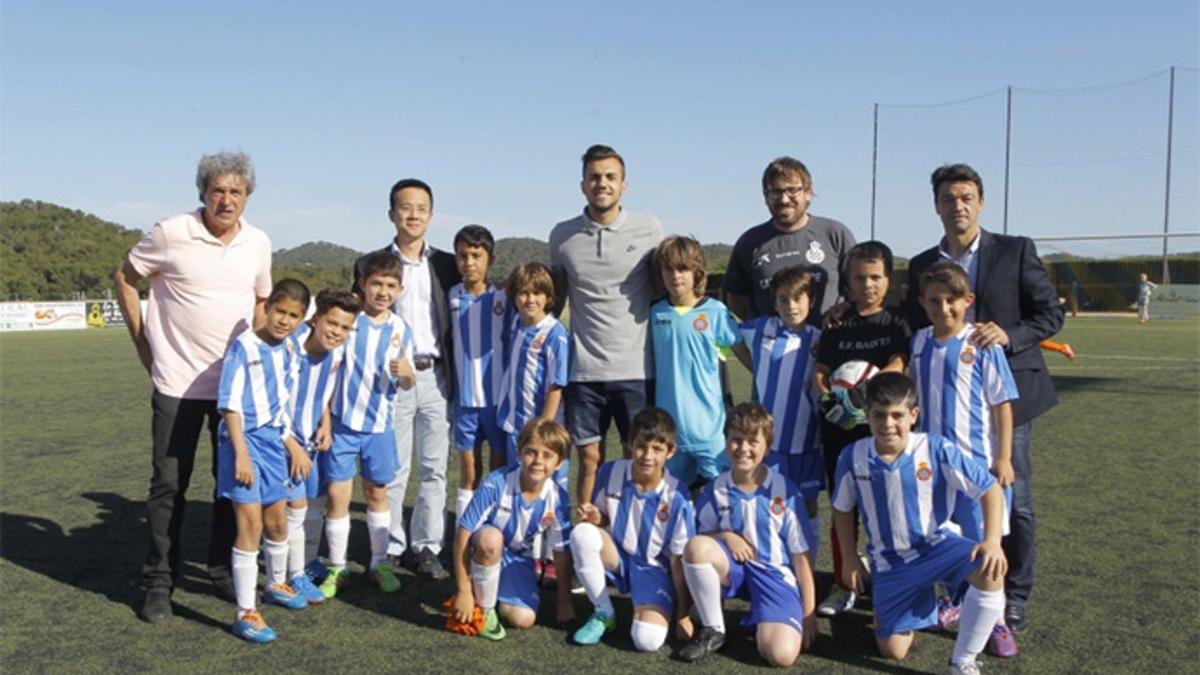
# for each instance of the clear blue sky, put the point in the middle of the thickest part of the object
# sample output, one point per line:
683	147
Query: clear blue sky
106	107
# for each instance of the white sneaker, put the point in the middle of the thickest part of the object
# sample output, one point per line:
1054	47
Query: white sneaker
965	668
839	600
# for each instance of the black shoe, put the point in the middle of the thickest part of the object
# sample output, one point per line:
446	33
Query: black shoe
223	584
1014	616
156	608
429	566
708	641
398	562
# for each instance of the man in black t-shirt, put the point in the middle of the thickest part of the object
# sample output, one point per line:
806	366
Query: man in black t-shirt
871	333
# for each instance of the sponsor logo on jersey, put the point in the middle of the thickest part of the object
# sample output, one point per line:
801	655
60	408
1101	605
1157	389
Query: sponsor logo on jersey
967	356
924	473
814	254
777	507
700	323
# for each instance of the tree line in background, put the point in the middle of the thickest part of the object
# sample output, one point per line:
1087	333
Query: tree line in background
49	252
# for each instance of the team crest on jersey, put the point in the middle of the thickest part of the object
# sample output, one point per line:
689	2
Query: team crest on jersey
547	520
395	339
968	356
498	308
777	506
700	323
664	512
924	473
538	342
814	254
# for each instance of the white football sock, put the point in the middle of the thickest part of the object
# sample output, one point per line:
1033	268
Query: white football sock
275	555
980	612
295	542
461	501
378	524
337	531
647	637
244	565
815	545
705	586
313	522
485	580
586	543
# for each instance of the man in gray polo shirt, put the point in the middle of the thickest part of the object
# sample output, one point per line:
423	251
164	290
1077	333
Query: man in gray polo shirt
791	237
601	264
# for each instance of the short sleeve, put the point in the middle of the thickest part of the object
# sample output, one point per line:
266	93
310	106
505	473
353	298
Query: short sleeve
559	357
725	329
964	474
561	529
737	276
998	382
148	256
262	281
901	336
706	511
483	502
233	378
600	490
845	496
827	349
798	532
684	528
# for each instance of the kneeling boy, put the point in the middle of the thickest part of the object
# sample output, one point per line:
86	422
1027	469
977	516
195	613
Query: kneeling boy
502	530
923	475
635	529
755	544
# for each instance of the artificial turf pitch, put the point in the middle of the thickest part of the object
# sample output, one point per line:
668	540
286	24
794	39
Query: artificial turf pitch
1116	483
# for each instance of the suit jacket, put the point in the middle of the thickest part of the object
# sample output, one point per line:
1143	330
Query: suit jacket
443	272
1013	290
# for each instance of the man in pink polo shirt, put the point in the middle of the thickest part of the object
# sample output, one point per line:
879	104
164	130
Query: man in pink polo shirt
210	274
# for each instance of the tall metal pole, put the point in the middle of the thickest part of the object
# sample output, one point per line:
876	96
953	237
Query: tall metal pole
1166	271
874	168
1007	153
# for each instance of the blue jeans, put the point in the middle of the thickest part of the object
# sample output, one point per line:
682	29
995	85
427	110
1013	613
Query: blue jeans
1018	545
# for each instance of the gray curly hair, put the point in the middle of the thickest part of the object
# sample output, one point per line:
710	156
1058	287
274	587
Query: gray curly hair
221	163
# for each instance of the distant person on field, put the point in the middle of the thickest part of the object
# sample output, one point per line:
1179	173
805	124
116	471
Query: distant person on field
210	275
869	331
792	236
258	455
601	265
966	396
1015	307
689	330
1145	290
900	481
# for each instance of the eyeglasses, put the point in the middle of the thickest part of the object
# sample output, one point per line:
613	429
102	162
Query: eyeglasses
792	191
406	209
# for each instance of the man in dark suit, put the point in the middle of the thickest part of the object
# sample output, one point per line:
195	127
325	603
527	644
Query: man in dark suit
421	413
1015	307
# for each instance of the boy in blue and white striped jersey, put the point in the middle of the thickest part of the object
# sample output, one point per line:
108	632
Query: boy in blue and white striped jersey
378	363
633	532
538	358
755	543
905	486
481	326
499	536
254	450
318	348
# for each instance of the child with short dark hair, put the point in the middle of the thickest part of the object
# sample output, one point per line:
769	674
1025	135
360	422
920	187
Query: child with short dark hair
317	345
874	333
514	510
481	324
257	452
754	542
378	364
904	485
633	531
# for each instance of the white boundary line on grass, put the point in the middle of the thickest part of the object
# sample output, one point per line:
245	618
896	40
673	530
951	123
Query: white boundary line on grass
1126	357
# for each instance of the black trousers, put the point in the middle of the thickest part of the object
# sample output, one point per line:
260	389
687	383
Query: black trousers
175	426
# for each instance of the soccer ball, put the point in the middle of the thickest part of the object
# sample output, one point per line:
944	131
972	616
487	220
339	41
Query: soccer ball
852	375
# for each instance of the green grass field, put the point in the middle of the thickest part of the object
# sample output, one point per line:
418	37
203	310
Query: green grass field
1117	486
